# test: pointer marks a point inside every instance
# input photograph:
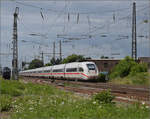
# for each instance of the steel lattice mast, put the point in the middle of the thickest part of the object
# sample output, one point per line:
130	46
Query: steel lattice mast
134	44
15	47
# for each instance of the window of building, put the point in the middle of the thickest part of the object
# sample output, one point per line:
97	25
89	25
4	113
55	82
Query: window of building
105	65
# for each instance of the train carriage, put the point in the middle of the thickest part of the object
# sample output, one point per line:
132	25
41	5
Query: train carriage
58	71
75	70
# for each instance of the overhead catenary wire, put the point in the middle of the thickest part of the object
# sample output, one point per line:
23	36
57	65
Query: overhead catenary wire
58	11
93	29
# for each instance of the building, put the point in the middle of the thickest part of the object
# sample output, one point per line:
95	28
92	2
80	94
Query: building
145	60
105	65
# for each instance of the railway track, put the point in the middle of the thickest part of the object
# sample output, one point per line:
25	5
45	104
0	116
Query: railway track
124	93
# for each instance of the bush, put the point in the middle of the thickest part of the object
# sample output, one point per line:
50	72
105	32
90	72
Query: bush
101	77
104	97
140	78
127	67
123	68
139	68
5	103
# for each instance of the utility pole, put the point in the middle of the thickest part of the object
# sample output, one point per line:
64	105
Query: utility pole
15	47
149	29
0	59
60	50
0	50
54	50
42	57
134	44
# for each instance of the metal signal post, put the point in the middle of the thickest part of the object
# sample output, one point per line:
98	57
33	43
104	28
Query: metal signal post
15	47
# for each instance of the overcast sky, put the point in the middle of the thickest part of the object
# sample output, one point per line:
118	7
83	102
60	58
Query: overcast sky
109	23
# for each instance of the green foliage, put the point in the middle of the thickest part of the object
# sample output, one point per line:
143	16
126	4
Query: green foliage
138	68
58	61
145	21
36	63
127	67
5	102
55	61
73	58
11	87
142	78
44	101
104	57
123	68
104	97
130	72
48	64
101	77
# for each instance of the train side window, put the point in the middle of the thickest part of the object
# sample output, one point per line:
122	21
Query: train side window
46	71
81	69
71	70
58	70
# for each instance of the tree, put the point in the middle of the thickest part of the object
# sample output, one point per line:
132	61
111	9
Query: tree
88	58
104	57
53	61
48	64
36	63
73	58
58	61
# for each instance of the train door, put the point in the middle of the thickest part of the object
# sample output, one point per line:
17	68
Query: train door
64	71
80	71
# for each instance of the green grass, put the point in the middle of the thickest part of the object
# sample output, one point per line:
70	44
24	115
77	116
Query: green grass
44	101
137	79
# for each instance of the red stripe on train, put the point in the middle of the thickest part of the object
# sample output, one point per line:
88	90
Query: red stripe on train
64	73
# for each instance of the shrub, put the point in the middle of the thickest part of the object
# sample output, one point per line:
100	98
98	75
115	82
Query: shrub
5	103
123	68
101	77
104	97
139	68
140	78
127	67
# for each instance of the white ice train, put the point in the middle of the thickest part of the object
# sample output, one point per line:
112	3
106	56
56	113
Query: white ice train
76	70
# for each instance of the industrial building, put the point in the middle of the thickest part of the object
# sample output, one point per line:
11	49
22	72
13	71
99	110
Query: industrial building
106	65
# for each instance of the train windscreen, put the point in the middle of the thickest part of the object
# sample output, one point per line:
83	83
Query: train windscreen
91	66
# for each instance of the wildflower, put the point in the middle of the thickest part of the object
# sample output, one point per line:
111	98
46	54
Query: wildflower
147	107
62	103
143	103
94	102
30	108
100	106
